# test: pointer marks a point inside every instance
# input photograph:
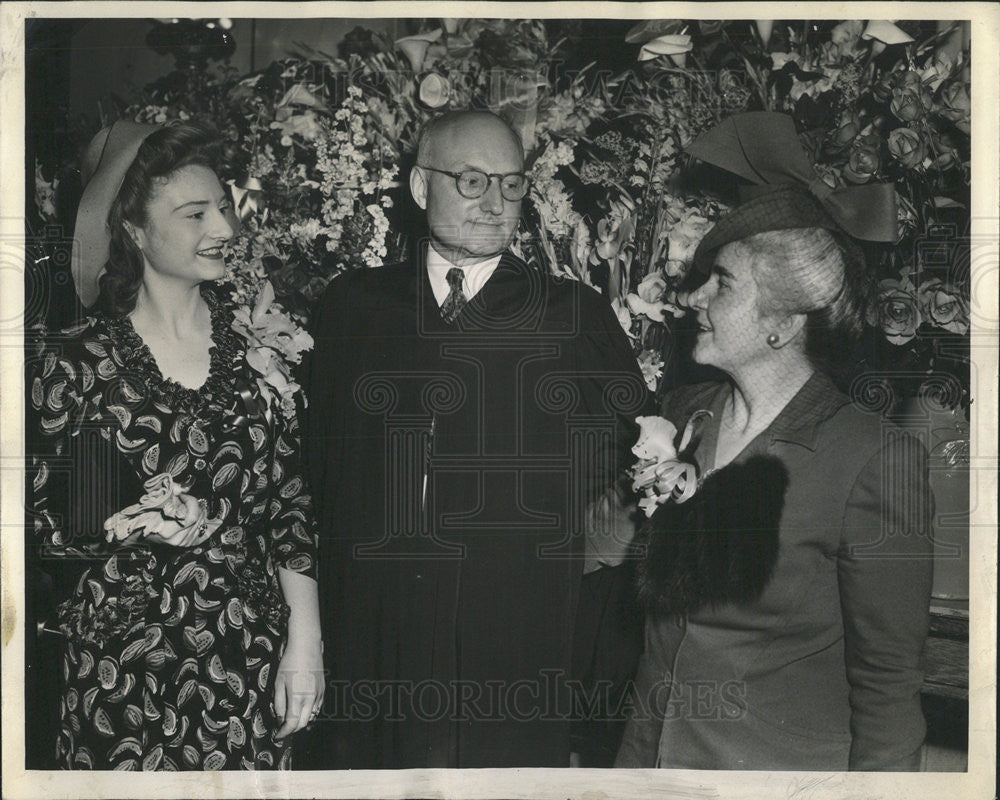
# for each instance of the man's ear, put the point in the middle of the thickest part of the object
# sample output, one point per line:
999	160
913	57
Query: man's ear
418	187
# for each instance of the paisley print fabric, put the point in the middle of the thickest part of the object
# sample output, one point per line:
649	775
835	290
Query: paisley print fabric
170	653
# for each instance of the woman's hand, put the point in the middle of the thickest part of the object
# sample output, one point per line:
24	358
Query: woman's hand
299	686
301	681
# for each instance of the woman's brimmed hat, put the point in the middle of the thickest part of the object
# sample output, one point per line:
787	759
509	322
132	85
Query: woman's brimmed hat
105	162
762	147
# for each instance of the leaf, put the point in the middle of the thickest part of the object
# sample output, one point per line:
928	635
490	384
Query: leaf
651	29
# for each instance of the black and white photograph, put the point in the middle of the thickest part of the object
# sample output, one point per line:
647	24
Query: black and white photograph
548	400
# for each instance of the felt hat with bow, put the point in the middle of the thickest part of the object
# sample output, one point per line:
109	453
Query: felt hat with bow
763	148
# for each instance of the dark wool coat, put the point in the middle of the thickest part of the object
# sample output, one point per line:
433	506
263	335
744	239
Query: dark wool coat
451	466
788	598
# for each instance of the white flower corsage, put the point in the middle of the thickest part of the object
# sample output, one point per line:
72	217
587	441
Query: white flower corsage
660	473
164	508
275	340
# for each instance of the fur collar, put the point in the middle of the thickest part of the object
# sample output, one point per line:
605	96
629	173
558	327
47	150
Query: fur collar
718	547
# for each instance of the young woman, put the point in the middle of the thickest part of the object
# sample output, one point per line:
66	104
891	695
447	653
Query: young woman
171	480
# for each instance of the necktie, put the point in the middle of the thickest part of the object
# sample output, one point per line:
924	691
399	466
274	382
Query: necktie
456	299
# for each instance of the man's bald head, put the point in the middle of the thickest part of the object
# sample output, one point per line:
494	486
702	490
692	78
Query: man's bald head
437	134
467	230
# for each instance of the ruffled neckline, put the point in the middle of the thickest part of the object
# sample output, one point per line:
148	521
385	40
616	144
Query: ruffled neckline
223	353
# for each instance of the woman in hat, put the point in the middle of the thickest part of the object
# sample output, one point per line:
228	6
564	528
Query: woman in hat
788	598
168	478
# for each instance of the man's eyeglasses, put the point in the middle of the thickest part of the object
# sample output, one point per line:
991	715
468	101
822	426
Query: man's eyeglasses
472	183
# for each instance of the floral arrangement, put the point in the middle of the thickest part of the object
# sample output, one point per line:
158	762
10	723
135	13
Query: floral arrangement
877	101
315	147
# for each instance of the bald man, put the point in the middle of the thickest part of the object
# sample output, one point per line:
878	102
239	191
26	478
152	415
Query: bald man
464	412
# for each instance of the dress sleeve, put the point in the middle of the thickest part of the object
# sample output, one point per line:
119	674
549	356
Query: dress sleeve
885	570
58	411
293	529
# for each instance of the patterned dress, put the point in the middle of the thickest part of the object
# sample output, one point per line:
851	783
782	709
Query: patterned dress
170	653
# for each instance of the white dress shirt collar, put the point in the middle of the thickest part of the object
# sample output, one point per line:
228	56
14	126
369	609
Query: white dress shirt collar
476	275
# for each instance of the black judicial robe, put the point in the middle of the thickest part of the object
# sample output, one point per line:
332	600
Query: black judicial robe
450	467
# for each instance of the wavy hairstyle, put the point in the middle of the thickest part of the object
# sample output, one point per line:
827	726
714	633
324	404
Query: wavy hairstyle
819	273
160	155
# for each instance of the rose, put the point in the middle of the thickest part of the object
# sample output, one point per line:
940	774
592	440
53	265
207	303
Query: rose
896	311
905	79
907	147
864	160
943	305
955	104
848	128
910	103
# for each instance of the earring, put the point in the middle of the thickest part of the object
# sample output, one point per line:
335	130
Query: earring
773	340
